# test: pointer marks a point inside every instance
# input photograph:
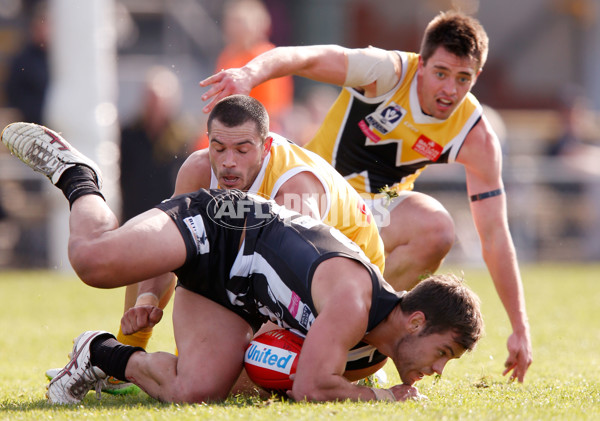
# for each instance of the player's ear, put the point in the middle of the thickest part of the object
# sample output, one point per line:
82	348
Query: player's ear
268	143
416	322
476	77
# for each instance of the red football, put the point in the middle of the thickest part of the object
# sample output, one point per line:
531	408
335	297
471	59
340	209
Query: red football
272	357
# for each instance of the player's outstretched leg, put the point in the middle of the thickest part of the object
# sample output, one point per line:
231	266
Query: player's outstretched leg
79	376
45	151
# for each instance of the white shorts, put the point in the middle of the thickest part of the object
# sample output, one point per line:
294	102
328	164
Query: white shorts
382	205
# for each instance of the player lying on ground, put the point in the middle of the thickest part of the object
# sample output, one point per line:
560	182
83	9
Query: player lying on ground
244	155
397	113
241	261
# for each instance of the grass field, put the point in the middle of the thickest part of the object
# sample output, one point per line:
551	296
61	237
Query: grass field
42	312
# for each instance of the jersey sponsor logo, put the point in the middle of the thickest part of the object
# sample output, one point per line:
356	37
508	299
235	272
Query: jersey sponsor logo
386	120
272	358
428	148
362	207
195	226
368	132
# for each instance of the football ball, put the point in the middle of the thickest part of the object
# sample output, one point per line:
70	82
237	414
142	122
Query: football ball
271	358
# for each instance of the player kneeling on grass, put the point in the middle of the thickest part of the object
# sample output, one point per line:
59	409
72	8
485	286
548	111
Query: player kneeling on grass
241	261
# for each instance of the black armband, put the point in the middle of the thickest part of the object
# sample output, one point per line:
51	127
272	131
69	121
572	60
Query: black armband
486	195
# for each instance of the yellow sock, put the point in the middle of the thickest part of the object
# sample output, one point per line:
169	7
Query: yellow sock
140	338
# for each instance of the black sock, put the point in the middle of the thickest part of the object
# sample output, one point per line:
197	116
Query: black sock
111	356
78	181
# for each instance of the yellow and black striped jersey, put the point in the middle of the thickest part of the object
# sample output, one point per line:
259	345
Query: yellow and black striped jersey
345	209
388	140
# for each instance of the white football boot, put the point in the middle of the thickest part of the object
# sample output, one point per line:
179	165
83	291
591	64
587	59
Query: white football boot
45	151
78	377
110	385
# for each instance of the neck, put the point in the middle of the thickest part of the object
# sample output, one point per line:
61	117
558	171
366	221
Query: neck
383	336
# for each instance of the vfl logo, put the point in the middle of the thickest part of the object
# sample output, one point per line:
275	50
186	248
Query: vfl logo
270	357
386	120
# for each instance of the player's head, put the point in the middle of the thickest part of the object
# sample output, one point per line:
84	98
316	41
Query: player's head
459	34
448	305
236	110
441	321
453	52
239	141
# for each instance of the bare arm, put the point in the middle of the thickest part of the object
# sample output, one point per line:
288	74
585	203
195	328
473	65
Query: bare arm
304	194
194	173
156	293
482	159
322	63
341	291
341	323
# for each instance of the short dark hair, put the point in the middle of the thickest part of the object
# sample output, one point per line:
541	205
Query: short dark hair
235	110
448	305
460	34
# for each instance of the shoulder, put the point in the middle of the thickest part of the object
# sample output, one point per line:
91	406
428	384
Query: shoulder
481	151
344	280
194	173
482	136
374	69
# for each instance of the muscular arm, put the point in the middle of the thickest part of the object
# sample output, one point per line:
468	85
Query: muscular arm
305	194
323	63
194	173
372	69
341	291
482	159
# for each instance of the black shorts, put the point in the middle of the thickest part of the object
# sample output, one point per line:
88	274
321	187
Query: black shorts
269	277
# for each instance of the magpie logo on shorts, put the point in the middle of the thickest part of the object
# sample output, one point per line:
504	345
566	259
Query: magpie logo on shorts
195	226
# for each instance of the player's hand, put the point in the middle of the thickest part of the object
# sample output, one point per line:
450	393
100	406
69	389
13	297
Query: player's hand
224	83
403	392
140	317
519	356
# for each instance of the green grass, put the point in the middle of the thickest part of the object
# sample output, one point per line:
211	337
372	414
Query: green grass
42	312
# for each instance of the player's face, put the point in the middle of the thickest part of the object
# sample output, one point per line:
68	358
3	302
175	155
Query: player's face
236	154
419	356
444	81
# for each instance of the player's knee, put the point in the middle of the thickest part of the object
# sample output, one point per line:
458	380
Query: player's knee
440	232
90	265
199	393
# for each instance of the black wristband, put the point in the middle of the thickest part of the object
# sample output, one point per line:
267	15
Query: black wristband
486	195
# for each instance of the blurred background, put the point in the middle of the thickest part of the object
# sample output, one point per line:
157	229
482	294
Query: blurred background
116	76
